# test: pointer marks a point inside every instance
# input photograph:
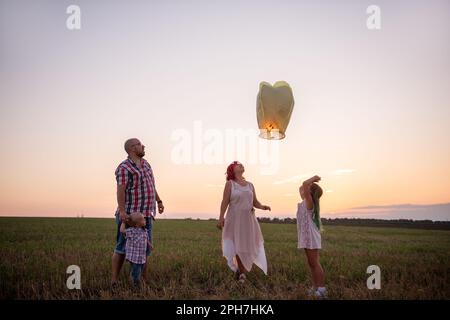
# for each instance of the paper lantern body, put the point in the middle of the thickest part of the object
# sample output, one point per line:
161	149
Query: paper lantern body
274	107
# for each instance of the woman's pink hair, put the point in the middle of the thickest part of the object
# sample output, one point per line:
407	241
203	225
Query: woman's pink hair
230	170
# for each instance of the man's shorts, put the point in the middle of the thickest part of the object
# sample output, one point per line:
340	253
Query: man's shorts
121	240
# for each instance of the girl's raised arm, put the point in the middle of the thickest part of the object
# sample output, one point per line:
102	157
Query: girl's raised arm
307	193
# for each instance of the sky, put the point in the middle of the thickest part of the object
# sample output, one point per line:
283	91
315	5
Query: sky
371	114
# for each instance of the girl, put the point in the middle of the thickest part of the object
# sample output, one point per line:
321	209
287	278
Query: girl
308	228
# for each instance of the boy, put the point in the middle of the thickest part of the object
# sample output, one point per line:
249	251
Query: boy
136	245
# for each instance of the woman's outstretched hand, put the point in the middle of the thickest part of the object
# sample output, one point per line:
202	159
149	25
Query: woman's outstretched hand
265	208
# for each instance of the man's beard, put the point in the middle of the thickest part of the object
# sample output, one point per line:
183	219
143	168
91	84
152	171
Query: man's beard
141	154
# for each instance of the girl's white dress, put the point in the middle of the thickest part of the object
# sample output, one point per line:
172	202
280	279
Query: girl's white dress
308	234
241	234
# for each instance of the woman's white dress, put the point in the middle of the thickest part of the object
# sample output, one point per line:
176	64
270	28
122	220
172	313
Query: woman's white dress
241	234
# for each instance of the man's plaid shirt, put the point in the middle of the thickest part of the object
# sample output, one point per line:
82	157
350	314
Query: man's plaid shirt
140	192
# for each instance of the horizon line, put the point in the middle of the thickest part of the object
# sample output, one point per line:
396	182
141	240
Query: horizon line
208	219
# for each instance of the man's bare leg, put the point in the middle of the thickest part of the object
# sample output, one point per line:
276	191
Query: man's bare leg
144	273
117	263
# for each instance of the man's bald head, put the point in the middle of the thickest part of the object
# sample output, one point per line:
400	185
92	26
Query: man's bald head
130	143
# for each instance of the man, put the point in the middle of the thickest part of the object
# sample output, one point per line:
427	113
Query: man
136	192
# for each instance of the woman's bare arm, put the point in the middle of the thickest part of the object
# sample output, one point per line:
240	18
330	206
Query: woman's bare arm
225	203
256	203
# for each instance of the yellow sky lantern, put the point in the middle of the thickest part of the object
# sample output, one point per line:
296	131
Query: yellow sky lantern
274	107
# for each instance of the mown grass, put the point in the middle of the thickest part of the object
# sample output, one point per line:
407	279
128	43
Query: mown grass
187	262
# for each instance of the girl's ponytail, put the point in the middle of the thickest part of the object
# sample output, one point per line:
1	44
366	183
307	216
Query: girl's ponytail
316	193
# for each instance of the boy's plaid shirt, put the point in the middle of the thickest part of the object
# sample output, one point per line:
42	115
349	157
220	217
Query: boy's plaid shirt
136	245
140	194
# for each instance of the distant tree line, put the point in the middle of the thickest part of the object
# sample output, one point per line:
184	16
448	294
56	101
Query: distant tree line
397	223
394	223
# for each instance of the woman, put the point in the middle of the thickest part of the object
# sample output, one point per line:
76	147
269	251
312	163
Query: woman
242	240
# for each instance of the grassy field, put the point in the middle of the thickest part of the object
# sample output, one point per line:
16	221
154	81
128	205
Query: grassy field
187	262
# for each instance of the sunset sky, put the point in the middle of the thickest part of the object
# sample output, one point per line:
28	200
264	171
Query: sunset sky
371	115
